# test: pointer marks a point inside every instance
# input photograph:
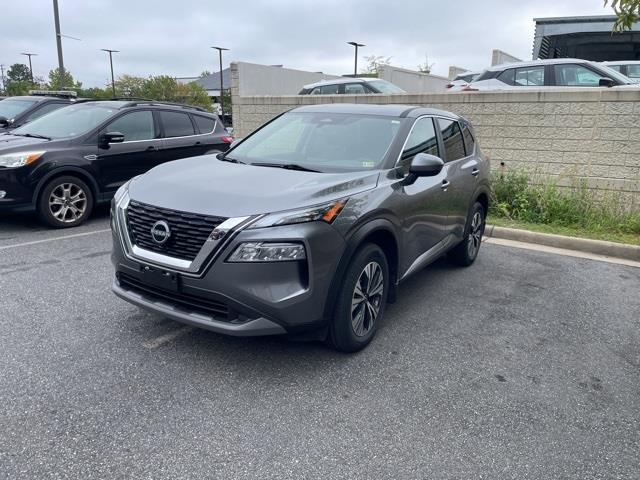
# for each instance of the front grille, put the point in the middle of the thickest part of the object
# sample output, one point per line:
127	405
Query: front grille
183	301
189	231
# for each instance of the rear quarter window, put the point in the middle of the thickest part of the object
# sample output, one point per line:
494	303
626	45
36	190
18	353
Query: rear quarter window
204	124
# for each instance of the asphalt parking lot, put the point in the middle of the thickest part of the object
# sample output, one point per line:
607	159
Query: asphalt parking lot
525	365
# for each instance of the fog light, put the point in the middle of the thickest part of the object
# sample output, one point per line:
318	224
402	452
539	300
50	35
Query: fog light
268	252
3	194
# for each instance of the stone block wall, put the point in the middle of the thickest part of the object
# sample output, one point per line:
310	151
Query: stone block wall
587	134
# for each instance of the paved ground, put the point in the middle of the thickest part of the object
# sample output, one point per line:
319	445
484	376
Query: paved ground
526	365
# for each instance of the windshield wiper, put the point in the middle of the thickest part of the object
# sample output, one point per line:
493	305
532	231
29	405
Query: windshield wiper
224	158
32	135
287	166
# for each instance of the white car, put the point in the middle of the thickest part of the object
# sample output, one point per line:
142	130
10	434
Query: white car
551	73
350	86
461	81
629	68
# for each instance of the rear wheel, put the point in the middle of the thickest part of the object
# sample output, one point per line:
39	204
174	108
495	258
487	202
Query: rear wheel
361	303
65	202
467	251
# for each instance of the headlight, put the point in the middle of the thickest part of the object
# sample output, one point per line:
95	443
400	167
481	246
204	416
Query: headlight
268	252
19	159
120	192
326	212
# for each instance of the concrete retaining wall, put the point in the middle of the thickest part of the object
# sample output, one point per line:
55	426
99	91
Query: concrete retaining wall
255	79
412	81
562	135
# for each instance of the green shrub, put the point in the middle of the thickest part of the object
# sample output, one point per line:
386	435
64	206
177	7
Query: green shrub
515	197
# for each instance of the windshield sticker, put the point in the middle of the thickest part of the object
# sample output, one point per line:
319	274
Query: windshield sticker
368	164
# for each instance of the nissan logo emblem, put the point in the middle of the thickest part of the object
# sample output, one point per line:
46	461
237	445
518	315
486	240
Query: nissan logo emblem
160	232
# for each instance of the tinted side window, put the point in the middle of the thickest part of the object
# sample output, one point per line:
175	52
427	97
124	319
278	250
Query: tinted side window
528	76
329	89
508	76
469	142
205	124
575	76
422	139
354	89
452	139
134	126
633	71
44	110
176	124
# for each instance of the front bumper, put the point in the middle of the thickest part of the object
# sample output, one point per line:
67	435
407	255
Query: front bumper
18	194
239	298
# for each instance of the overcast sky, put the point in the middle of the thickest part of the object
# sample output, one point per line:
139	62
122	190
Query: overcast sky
173	36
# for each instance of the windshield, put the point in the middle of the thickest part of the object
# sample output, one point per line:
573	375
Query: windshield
326	142
385	87
67	121
11	108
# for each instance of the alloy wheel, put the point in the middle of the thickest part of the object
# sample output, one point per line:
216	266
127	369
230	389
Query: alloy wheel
367	299
67	202
475	234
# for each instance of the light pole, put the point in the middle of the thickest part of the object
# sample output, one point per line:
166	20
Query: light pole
220	50
56	18
113	82
355	63
2	77
30	67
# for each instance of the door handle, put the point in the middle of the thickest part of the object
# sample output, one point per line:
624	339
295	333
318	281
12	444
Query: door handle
475	172
445	184
151	148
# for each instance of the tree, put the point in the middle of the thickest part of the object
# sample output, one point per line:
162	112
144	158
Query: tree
627	11
374	62
163	88
69	82
426	66
18	80
205	73
129	86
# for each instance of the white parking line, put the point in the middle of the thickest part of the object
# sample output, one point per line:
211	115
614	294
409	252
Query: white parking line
562	251
46	240
166	338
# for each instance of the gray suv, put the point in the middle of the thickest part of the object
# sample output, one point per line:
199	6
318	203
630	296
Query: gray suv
307	226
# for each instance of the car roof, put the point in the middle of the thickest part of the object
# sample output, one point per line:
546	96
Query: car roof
533	63
388	110
336	81
144	103
37	98
623	62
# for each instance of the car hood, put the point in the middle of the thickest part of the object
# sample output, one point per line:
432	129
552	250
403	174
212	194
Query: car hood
209	186
9	143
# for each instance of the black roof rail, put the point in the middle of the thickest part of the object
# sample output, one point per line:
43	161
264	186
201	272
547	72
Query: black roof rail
131	99
135	102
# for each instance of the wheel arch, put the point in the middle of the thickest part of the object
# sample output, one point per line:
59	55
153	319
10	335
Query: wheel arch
380	232
63	171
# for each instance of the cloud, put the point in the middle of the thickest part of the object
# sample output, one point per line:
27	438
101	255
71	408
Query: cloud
173	37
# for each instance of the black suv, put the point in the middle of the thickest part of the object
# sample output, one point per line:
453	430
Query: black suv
16	111
63	163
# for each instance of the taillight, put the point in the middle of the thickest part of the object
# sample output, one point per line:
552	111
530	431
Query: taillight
468	88
449	85
226	139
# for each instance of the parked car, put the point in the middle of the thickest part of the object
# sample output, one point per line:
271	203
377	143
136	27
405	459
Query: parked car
630	69
461	81
16	111
350	86
65	162
557	72
306	226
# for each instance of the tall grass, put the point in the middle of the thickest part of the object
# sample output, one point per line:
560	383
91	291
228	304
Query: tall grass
515	197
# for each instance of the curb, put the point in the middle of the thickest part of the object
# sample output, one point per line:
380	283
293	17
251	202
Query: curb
598	247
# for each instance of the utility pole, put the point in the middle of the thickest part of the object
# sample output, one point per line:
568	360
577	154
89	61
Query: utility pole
355	63
30	67
113	82
220	49
56	17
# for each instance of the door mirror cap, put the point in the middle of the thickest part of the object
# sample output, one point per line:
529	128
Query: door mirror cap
4	122
111	137
606	82
425	165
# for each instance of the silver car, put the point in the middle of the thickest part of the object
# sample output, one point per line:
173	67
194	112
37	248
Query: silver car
629	68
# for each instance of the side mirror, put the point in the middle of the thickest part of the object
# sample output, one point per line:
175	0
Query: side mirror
111	137
425	165
606	82
4	122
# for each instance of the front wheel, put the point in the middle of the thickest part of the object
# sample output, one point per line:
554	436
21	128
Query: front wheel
467	251
65	202
361	302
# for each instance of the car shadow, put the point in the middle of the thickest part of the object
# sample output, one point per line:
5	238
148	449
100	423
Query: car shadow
13	223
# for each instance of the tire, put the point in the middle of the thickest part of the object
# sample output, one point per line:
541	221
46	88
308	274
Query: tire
466	252
65	202
353	329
